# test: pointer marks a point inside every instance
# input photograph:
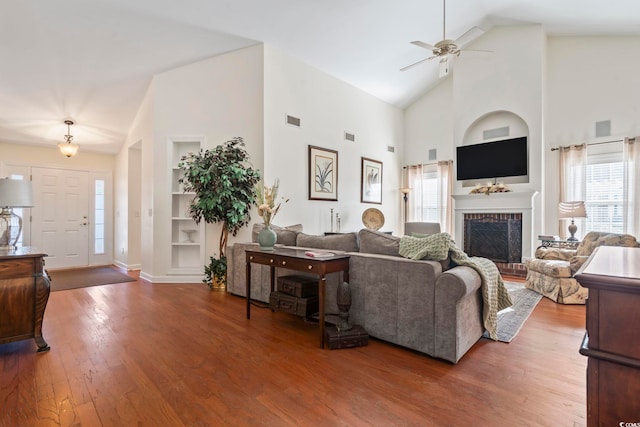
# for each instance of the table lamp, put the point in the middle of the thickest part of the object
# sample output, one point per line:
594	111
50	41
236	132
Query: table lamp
14	193
572	210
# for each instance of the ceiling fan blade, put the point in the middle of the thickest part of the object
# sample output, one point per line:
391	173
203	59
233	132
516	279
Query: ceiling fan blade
476	51
471	34
423	45
417	63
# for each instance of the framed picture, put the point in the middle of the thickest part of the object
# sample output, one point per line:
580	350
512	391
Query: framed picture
323	174
371	181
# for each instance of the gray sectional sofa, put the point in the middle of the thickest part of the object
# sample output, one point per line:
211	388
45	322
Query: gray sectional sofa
419	304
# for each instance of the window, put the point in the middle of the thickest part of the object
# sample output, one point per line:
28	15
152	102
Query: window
98	237
604	193
430	197
424	196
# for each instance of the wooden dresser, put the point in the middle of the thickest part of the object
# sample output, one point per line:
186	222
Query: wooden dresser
612	341
24	292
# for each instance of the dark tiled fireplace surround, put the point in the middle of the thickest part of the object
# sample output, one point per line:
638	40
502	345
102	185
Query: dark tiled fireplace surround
497	236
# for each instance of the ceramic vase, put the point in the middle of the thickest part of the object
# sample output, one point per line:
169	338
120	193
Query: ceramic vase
267	238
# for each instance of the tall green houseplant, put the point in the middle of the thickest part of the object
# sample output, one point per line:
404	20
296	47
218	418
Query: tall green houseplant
224	187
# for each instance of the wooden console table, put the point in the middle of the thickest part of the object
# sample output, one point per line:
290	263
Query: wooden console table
612	342
296	260
24	292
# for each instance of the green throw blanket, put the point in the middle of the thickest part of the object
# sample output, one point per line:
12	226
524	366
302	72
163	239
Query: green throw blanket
438	247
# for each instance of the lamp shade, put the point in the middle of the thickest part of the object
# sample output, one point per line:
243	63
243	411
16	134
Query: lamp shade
569	210
69	149
15	193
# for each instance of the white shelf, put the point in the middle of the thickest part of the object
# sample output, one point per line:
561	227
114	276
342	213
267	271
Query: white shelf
187	258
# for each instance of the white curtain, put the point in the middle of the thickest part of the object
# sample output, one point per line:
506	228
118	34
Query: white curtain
631	159
445	190
414	176
414	203
573	179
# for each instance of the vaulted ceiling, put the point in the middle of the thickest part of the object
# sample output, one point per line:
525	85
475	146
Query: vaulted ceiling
92	60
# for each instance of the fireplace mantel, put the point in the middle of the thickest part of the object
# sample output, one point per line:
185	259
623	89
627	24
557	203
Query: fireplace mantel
509	202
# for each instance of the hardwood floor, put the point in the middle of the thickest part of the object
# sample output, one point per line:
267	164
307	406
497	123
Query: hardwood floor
181	355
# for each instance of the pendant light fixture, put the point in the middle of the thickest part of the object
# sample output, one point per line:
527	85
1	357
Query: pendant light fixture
68	148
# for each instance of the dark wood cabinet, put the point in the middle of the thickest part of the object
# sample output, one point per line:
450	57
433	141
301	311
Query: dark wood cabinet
612	341
24	292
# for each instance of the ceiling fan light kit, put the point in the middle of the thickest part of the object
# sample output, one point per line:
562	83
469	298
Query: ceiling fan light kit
68	147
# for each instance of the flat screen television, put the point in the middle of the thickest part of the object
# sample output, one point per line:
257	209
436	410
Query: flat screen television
497	159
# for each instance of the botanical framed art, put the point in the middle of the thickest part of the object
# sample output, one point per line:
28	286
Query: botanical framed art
323	174
371	181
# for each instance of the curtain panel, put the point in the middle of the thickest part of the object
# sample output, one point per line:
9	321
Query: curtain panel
573	180
417	198
631	164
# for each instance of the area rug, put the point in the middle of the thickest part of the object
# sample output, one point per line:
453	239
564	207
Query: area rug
83	277
510	320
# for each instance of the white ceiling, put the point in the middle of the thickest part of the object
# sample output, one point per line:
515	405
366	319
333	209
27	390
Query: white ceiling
92	60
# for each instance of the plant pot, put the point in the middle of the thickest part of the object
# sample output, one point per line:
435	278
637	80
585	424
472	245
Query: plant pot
218	284
267	238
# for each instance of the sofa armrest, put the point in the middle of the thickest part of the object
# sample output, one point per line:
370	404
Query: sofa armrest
458	313
456	283
556	254
576	262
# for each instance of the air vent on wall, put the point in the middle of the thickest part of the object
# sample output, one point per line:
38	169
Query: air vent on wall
433	154
349	136
293	121
495	133
603	128
391	148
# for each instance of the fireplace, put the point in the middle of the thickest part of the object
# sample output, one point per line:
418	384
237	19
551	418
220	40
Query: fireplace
496	236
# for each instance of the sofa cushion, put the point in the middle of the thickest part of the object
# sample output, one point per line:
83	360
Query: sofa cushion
375	242
286	235
562	254
551	268
347	242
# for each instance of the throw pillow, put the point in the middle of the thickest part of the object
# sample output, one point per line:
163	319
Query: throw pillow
375	242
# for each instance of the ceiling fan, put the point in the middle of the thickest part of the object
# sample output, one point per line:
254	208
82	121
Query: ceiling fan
445	48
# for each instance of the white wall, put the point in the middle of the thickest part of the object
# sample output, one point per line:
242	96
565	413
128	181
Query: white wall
100	166
36	155
560	86
475	97
219	98
248	93
327	108
428	124
140	135
590	79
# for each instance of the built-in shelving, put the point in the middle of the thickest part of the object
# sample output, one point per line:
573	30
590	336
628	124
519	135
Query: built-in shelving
187	237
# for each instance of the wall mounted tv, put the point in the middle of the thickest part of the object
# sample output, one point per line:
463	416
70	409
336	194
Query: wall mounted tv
497	159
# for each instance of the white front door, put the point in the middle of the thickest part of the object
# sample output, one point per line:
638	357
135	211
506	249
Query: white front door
59	225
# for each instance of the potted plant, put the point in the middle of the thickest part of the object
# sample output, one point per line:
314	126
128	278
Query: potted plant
215	274
224	187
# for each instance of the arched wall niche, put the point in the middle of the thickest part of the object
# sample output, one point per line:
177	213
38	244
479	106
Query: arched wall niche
504	125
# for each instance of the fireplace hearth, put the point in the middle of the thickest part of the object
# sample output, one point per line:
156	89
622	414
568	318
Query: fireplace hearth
496	236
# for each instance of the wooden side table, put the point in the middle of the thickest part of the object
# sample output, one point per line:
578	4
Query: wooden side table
294	259
24	292
612	342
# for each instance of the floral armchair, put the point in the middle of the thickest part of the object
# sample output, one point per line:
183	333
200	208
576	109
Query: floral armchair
551	272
